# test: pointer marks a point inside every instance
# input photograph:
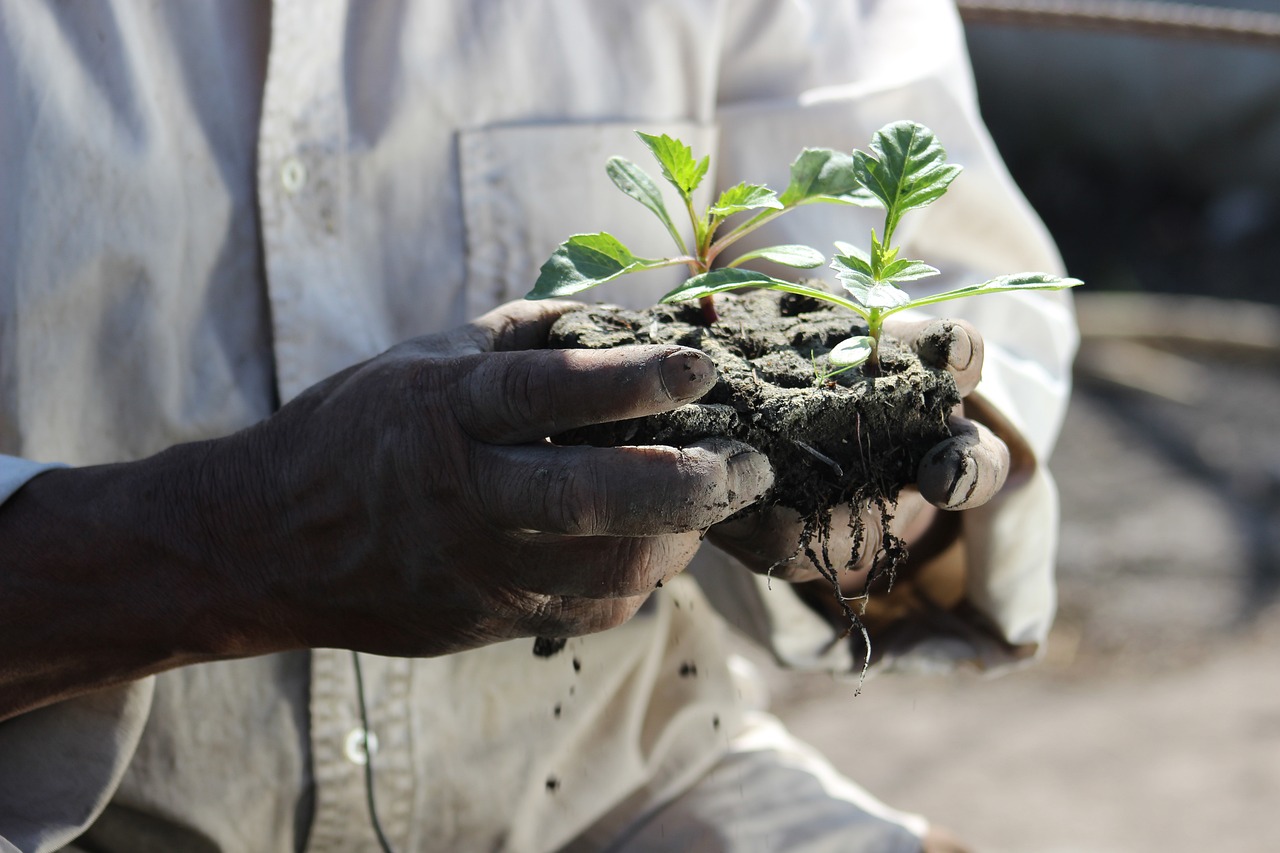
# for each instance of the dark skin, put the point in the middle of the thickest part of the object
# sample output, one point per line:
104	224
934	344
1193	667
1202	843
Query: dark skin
409	505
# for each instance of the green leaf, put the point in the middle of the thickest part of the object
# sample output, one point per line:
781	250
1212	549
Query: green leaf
843	248
908	169
857	269
635	182
800	257
745	196
1001	284
584	261
677	161
882	254
856	261
852	351
821	174
905	270
856	276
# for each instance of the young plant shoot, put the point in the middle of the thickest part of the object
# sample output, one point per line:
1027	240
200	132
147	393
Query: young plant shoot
586	260
905	170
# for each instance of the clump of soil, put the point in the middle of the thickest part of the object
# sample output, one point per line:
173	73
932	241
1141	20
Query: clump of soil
852	440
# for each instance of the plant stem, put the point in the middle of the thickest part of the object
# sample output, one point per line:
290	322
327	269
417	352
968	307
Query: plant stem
743	230
708	306
875	325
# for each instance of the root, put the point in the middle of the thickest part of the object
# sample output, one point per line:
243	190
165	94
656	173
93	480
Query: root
891	553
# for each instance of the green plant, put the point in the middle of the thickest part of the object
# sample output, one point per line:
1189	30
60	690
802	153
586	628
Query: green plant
586	260
906	170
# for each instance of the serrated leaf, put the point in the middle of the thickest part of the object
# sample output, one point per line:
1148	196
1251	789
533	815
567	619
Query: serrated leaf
677	161
856	262
907	168
821	174
855	281
878	295
907	270
851	250
1002	284
800	257
584	261
745	196
852	351
635	182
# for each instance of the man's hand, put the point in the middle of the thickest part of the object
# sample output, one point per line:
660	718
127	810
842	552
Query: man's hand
426	512
408	505
962	472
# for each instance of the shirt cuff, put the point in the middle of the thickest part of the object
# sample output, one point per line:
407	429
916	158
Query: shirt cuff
15	472
60	764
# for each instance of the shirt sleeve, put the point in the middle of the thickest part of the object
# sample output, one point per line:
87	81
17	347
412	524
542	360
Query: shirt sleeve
15	472
60	764
831	80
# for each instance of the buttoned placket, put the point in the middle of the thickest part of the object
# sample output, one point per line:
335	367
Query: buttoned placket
320	322
316	315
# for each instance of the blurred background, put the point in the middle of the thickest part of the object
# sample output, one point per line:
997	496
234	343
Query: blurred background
1153	724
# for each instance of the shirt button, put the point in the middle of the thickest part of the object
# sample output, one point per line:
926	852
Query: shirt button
355	746
293	175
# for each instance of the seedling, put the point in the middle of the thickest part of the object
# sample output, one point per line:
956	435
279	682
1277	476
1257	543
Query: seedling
583	261
906	170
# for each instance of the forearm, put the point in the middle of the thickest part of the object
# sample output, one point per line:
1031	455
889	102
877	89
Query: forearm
114	572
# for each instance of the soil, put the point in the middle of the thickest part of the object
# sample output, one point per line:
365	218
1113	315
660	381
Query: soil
851	439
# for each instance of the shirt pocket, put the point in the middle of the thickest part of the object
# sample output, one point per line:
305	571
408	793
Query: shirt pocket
527	188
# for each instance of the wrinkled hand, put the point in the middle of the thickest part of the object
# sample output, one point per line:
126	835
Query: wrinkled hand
412	504
962	472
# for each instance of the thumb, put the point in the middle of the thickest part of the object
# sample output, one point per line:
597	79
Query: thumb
966	470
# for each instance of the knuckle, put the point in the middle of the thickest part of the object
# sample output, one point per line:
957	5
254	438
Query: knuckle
503	394
575	501
520	387
545	615
573	617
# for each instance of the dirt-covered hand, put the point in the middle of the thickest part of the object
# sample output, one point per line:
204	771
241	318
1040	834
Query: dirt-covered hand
413	504
968	469
961	472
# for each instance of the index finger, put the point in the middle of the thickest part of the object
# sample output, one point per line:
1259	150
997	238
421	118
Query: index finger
518	325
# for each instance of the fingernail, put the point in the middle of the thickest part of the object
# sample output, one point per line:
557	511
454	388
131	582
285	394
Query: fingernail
750	476
960	351
964	482
687	374
946	345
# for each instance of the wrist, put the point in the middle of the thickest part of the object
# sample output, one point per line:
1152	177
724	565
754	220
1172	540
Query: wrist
114	572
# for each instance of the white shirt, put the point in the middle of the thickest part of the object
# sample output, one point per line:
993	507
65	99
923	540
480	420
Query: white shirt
208	207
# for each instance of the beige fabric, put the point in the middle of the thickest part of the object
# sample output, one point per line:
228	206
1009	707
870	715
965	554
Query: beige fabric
209	206
770	792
